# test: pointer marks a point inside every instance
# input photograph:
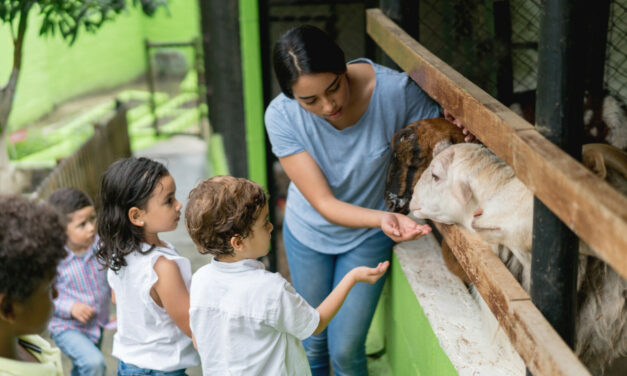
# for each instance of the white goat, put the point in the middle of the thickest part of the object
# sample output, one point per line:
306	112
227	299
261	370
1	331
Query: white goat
467	184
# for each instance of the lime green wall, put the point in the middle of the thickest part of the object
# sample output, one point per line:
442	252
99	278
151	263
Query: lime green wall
53	72
410	344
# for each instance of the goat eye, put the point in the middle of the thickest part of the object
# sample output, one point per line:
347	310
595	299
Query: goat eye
435	177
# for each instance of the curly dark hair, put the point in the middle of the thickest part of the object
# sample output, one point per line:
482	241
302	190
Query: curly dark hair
68	200
32	240
222	207
127	183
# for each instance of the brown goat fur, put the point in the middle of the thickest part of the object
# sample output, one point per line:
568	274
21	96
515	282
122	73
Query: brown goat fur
412	151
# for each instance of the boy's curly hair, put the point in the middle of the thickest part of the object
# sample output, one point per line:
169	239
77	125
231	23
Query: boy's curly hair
222	207
32	239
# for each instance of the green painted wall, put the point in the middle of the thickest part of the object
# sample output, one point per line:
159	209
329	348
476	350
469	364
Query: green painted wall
53	72
410	344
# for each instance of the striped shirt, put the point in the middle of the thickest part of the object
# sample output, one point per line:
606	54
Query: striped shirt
81	279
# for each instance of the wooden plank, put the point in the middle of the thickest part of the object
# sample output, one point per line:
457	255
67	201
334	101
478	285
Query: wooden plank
587	205
542	349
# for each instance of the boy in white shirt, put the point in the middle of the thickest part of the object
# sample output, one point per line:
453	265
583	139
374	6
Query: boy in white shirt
244	319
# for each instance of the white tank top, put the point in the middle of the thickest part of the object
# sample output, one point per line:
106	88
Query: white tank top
146	336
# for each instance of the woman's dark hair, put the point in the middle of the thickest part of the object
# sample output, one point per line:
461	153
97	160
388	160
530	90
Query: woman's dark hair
32	240
127	183
68	200
305	50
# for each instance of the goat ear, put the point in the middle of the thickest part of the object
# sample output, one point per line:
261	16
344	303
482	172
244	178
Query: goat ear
462	192
447	158
441	145
594	161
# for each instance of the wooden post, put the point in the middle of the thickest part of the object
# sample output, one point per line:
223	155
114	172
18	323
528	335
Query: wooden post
559	113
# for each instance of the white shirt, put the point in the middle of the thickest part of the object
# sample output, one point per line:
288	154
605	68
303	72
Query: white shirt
147	337
248	321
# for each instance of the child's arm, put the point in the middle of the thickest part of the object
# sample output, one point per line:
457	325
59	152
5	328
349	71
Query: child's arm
329	307
171	293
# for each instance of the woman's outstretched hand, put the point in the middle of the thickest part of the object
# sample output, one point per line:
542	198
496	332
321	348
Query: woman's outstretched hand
401	228
469	137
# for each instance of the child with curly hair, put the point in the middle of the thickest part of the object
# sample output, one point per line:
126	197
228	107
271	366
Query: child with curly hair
246	320
31	245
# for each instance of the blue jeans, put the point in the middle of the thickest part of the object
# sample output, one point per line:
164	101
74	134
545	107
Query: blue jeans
314	275
87	359
125	369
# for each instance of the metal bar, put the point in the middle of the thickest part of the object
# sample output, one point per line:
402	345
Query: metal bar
151	86
170	44
503	36
559	118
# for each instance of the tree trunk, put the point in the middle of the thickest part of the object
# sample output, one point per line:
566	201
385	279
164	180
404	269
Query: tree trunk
7	94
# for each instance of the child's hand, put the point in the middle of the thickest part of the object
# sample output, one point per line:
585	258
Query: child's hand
370	275
82	312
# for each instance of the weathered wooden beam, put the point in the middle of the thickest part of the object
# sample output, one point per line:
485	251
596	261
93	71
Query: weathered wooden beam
539	345
585	203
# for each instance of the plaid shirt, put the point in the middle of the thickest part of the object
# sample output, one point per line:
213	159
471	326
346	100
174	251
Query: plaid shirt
81	279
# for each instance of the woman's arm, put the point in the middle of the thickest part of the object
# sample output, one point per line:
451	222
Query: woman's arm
303	170
171	293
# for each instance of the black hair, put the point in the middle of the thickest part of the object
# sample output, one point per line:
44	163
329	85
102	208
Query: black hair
127	183
305	50
68	200
32	240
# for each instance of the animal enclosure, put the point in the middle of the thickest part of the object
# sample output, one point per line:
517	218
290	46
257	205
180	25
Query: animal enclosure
592	209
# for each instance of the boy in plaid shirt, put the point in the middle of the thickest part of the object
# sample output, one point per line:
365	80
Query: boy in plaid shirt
82	308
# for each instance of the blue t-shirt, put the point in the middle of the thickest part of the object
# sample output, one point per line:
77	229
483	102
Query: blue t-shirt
354	160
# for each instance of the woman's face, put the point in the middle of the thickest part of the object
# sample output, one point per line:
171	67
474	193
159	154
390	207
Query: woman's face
323	94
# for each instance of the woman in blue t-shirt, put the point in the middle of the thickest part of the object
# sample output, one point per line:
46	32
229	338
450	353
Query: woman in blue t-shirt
331	130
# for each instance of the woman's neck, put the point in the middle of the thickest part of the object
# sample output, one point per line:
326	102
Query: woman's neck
361	80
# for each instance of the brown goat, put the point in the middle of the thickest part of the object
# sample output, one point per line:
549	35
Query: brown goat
412	151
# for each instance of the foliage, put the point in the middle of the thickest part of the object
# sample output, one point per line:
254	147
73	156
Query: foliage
67	16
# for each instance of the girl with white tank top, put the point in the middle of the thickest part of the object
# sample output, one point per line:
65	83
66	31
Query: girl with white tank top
149	279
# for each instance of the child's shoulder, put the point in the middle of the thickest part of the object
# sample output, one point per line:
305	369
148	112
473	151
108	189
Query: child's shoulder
254	279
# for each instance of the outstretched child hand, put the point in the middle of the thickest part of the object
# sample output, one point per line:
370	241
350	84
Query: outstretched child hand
370	275
82	312
329	307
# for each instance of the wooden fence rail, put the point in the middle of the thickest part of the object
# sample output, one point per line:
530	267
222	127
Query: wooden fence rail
84	168
588	205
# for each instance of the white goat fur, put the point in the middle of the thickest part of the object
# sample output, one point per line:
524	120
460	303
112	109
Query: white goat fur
465	178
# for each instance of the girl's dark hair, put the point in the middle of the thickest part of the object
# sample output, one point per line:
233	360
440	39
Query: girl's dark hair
32	240
305	50
68	200
127	183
